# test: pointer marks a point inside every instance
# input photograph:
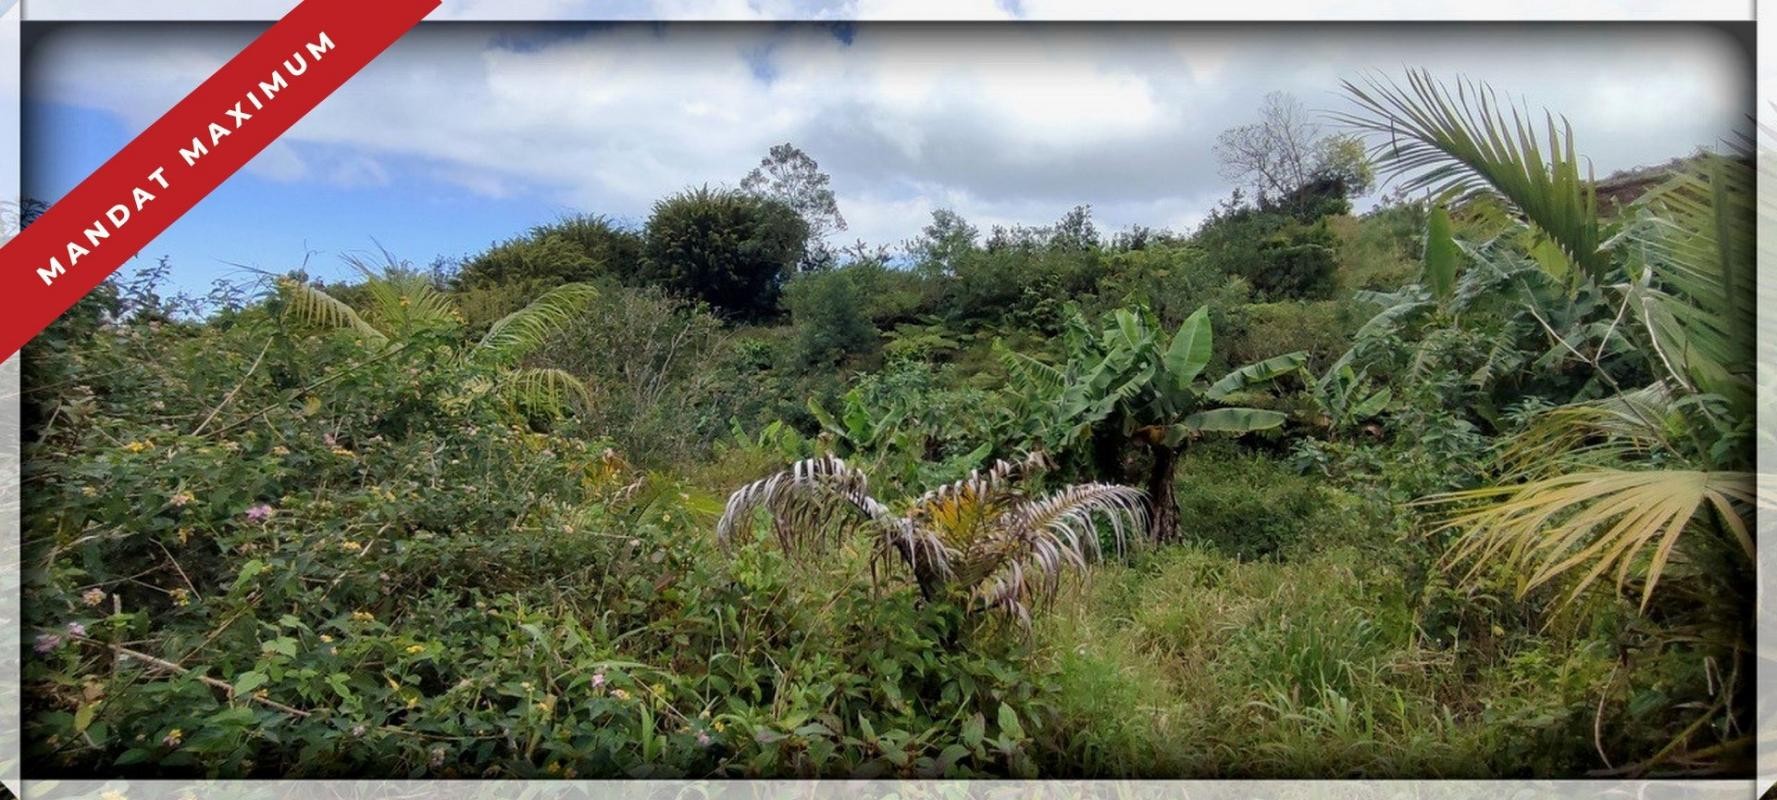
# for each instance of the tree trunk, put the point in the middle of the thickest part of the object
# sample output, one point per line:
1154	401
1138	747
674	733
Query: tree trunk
1161	500
1107	454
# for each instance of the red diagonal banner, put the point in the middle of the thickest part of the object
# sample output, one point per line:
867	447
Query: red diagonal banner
187	153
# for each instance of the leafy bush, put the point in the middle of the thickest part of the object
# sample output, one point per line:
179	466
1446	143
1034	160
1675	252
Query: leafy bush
572	249
830	315
730	249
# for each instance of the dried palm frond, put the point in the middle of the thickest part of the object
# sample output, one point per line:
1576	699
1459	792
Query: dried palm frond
980	535
1025	553
1601	519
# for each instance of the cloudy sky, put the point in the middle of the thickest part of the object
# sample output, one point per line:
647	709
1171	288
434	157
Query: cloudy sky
465	133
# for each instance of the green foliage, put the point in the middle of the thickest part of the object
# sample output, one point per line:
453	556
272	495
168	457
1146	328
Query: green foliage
730	249
1276	253
829	310
344	530
573	249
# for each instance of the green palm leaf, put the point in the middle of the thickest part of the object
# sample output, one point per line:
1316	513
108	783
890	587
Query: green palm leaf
1462	143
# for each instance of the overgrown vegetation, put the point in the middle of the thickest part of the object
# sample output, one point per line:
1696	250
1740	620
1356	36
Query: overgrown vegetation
1455	487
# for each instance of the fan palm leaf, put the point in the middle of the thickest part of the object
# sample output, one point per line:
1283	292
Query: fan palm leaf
1597	520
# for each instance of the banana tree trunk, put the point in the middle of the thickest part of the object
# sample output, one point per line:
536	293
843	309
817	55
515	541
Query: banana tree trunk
1107	454
1161	500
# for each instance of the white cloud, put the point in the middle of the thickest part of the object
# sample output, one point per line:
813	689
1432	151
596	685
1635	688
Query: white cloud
1004	123
933	9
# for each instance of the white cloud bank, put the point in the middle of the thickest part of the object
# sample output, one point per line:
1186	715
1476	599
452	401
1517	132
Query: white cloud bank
1003	123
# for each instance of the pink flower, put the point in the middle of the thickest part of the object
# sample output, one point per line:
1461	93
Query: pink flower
77	629
703	738
259	513
47	642
598	679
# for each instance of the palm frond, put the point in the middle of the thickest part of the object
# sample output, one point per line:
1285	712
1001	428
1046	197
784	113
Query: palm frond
1462	143
1034	542
1632	424
978	496
317	307
1695	236
522	331
1596	520
818	499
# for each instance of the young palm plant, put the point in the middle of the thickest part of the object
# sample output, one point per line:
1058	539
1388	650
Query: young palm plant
1612	486
403	305
981	540
1652	480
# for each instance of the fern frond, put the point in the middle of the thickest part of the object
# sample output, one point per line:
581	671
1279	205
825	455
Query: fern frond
312	305
545	388
522	331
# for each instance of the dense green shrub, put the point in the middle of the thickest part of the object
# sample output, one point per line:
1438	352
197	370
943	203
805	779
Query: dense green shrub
1280	255
730	249
572	249
829	310
1322	329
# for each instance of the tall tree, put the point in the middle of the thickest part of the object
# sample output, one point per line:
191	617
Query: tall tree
1287	151
791	177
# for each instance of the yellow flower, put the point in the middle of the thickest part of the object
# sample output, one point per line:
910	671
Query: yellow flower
326	637
89	491
620	694
658	689
416	648
280	450
350	546
525	685
138	447
719	726
182	499
554	767
344	453
180	597
363	616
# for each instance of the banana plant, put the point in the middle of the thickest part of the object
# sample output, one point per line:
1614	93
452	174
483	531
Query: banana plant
1130	381
1347	398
